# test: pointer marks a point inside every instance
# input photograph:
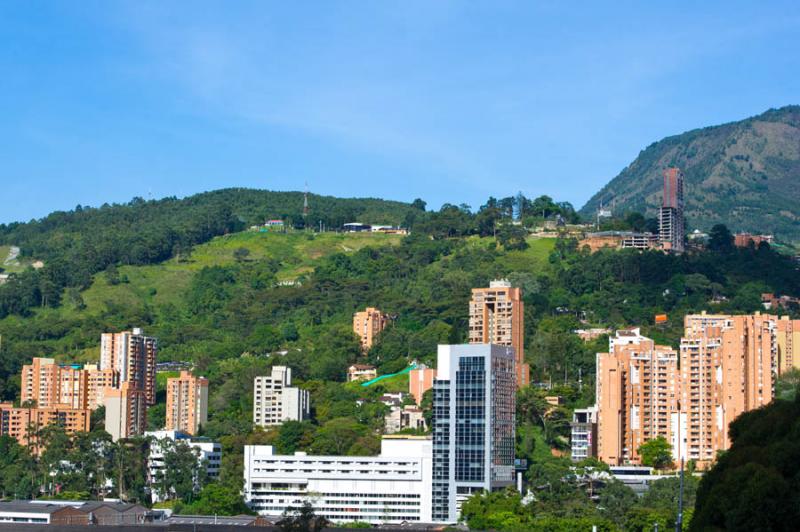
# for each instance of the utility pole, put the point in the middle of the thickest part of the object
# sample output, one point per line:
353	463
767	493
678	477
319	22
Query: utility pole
679	521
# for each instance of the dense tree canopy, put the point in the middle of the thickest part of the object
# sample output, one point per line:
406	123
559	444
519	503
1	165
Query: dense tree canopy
77	244
755	485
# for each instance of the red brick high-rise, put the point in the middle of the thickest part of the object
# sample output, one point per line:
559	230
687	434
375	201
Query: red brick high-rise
670	222
496	316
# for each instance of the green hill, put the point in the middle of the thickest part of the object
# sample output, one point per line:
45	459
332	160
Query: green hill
744	174
242	301
77	244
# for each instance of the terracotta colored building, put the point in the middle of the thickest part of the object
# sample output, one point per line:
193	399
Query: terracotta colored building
727	367
133	356
17	421
788	344
637	396
496	316
126	411
420	380
743	240
50	384
619	240
368	324
187	402
38	382
670	222
97	382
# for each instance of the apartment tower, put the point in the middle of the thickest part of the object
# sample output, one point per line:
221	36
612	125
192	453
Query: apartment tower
275	400
38	382
126	411
496	316
46	384
637	396
133	356
473	425
368	324
788	338
670	226
420	380
727	367
97	381
726	370
187	402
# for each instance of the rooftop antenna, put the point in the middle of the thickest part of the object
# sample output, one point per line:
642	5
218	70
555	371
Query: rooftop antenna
305	202
597	223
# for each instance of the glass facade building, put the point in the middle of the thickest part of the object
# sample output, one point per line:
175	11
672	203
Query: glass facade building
473	424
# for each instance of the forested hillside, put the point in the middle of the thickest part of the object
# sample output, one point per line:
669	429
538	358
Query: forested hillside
217	302
243	301
743	174
77	244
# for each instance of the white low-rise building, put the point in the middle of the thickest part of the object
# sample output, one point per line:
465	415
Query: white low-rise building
401	418
393	487
209	452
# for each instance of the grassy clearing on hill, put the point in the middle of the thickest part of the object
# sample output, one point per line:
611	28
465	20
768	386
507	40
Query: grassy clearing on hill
165	283
538	252
15	266
398	383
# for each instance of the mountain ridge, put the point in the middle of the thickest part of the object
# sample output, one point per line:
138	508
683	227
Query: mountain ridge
745	174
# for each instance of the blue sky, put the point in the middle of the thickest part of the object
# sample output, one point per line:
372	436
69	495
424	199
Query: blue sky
447	101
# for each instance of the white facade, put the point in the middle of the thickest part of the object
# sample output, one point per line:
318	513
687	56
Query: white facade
393	487
583	438
275	400
208	451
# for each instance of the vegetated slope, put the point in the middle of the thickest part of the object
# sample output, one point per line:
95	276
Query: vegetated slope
207	306
755	485
744	174
138	291
75	245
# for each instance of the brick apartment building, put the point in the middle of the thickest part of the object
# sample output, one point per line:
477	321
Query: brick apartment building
23	424
187	402
637	395
725	366
496	316
133	356
368	324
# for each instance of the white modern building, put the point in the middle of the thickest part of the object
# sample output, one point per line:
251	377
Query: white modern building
583	437
473	424
393	487
208	452
275	400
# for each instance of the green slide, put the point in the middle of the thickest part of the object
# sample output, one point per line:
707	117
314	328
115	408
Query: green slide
389	376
